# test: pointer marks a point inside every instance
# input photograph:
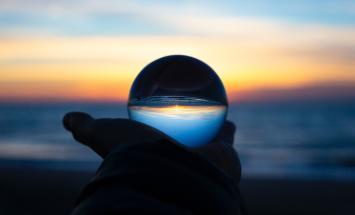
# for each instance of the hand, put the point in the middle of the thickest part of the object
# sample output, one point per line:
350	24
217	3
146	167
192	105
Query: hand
221	152
103	135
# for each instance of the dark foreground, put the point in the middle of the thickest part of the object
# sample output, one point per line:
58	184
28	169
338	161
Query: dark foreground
25	191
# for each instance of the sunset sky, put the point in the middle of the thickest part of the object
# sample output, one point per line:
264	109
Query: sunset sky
92	50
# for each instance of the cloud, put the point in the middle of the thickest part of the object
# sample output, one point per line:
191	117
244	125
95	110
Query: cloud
325	91
55	39
331	52
84	17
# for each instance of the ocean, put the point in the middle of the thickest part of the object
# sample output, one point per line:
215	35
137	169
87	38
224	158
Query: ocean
310	140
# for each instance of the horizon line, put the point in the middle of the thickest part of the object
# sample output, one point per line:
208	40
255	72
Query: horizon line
314	91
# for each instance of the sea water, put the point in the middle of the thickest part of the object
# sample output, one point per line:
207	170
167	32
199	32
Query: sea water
289	140
191	121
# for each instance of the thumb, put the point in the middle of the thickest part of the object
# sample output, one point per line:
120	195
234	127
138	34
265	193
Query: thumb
227	133
221	152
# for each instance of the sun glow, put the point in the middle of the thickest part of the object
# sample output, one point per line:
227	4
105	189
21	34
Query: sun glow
62	68
180	111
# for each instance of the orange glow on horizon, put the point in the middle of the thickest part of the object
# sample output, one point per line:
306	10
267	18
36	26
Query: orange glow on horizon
191	112
103	68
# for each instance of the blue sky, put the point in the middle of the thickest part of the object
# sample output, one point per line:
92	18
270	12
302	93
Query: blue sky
154	17
94	49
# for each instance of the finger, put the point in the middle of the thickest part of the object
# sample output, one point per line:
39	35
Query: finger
79	124
227	132
82	126
103	135
229	128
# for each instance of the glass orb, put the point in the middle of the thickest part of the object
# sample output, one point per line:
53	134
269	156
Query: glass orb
180	96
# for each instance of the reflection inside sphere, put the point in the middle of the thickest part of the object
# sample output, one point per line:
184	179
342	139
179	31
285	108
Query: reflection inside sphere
191	121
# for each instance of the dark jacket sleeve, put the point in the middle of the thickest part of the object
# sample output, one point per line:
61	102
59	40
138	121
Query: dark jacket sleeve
158	178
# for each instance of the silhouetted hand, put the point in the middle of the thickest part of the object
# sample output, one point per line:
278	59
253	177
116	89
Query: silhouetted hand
103	135
222	153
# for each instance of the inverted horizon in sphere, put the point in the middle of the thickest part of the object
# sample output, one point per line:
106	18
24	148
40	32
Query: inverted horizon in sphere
190	125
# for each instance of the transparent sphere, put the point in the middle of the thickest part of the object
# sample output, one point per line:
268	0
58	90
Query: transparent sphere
180	96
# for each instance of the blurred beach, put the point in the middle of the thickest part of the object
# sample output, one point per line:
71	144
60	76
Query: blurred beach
292	140
296	157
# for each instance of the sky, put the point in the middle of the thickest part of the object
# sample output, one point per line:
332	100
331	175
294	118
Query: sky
92	50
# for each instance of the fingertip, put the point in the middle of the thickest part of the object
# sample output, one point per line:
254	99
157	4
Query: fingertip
229	127
73	119
227	132
66	121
